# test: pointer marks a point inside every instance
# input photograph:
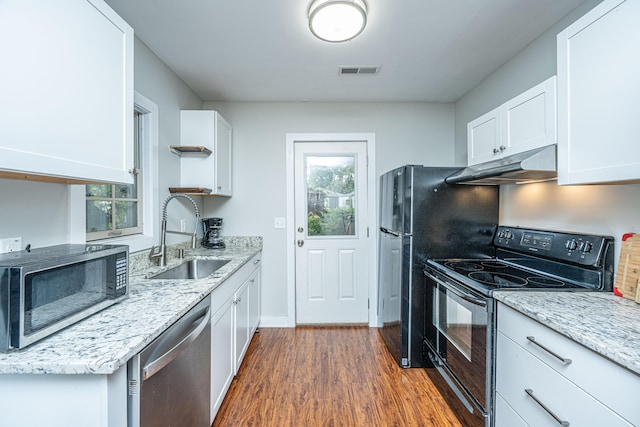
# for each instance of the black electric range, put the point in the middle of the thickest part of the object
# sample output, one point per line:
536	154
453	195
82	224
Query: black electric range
460	330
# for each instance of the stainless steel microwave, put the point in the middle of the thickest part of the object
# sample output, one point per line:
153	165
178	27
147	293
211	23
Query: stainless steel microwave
46	289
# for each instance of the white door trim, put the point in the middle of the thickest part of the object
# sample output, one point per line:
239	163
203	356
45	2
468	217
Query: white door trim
372	244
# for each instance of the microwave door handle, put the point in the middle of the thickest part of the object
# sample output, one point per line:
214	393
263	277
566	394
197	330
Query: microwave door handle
155	366
458	292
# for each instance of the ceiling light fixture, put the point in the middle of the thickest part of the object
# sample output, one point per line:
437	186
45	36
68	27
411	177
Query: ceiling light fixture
337	20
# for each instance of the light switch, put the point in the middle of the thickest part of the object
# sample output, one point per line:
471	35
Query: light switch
279	222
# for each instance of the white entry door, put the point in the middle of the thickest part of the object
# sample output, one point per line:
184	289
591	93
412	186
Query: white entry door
331	222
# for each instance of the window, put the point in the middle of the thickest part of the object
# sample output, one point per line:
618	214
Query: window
114	210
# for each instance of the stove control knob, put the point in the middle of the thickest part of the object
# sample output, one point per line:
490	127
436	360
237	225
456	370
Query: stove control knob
509	235
586	247
571	245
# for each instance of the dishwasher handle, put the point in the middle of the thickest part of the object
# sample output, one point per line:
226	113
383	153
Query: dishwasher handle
156	365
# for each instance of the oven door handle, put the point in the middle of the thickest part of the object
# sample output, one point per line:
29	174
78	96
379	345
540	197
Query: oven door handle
459	292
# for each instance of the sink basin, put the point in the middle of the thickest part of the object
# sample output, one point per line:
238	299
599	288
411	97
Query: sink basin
192	269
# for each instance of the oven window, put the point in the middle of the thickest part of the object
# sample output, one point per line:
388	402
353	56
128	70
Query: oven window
459	325
52	295
456	323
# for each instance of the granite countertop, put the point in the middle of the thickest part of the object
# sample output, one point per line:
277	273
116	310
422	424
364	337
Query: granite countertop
602	322
105	341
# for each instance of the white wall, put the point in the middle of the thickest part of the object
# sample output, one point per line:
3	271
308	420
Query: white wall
598	209
415	133
36	211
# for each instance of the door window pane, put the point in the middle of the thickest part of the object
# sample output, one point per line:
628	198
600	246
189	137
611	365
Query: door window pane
331	195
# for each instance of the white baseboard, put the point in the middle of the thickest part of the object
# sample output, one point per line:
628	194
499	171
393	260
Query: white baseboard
274	322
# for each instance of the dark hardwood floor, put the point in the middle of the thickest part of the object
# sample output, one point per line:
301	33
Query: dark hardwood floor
329	376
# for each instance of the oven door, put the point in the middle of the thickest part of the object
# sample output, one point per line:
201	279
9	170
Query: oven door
459	325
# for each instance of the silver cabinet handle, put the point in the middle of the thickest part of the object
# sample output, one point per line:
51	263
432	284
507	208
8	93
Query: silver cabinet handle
502	148
157	364
496	151
547	410
548	350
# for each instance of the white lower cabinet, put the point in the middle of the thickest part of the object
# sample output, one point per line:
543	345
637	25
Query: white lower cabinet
235	315
242	330
254	299
545	379
28	400
505	415
222	359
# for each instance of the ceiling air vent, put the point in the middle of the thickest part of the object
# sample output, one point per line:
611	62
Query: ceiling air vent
370	70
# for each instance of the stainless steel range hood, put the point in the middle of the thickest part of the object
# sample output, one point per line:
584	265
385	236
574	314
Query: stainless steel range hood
530	166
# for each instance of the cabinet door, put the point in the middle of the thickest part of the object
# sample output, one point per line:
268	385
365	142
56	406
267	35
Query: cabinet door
67	90
222	355
529	119
598	100
223	152
484	138
242	328
209	129
254	301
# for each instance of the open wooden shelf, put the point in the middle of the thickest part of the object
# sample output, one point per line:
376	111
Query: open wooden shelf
192	191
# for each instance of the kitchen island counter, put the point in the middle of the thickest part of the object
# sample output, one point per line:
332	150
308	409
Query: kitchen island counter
104	342
602	322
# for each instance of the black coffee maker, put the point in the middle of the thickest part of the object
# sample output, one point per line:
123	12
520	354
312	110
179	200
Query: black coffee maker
211	233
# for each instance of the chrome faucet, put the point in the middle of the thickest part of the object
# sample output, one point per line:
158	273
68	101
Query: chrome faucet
161	253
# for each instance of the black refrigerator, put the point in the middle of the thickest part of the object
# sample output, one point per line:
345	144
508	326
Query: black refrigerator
422	217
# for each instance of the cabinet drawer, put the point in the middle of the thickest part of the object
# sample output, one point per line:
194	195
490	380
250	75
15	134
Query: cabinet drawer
608	382
518	370
505	415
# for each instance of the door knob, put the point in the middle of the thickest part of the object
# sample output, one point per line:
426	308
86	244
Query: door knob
300	243
300	229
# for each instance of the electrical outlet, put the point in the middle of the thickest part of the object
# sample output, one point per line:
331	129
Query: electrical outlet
183	225
11	244
279	222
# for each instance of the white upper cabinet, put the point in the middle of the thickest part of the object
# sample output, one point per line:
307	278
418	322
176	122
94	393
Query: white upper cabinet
598	96
484	138
210	131
521	124
67	91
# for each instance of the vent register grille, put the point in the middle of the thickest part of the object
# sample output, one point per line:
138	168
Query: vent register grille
369	70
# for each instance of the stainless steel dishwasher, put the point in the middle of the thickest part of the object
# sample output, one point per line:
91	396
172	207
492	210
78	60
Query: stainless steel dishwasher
169	381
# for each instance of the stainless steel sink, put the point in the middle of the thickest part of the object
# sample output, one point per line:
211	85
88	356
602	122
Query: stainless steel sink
193	269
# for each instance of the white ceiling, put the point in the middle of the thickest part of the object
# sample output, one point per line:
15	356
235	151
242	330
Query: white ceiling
262	50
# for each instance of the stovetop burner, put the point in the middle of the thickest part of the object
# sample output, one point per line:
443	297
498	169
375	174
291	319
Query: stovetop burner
501	275
498	279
